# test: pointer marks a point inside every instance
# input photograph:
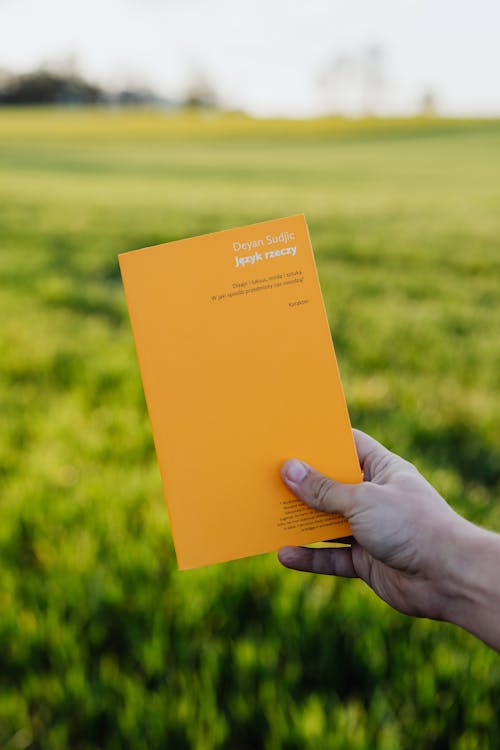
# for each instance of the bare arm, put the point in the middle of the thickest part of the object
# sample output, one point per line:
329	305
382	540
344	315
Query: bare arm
409	545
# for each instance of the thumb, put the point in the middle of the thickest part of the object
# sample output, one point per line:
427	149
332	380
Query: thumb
319	491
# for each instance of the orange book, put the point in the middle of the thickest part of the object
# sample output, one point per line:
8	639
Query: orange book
239	374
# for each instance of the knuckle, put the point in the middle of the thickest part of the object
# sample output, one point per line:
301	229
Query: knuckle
410	466
381	463
385	465
321	492
358	494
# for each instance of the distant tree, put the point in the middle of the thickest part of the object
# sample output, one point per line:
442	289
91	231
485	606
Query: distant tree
200	93
353	83
135	96
336	82
428	105
48	87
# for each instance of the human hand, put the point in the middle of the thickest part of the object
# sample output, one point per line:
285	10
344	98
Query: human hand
403	530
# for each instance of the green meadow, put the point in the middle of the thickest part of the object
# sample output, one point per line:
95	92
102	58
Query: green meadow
103	644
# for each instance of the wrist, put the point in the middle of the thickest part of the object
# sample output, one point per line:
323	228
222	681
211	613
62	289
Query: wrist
470	580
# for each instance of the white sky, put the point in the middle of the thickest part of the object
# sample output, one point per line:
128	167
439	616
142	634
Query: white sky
267	55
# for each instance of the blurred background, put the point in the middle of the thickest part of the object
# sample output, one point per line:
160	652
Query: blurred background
125	124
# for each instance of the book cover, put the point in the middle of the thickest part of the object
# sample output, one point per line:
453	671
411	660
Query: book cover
239	374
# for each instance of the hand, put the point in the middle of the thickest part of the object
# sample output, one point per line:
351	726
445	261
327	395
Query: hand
403	529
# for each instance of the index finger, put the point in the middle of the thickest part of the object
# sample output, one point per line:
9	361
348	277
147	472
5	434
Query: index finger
368	449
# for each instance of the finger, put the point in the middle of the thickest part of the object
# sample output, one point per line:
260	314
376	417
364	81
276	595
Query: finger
370	452
327	561
377	460
318	491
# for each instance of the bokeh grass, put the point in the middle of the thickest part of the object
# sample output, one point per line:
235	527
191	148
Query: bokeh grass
102	642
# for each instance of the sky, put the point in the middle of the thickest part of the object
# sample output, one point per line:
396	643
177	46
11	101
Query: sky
273	57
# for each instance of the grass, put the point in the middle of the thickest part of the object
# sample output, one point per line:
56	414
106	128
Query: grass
102	642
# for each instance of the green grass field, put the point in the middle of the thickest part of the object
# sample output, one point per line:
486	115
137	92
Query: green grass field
102	643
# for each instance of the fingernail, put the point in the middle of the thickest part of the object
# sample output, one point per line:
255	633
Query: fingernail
294	471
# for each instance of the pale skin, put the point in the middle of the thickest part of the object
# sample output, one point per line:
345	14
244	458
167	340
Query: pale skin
408	544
